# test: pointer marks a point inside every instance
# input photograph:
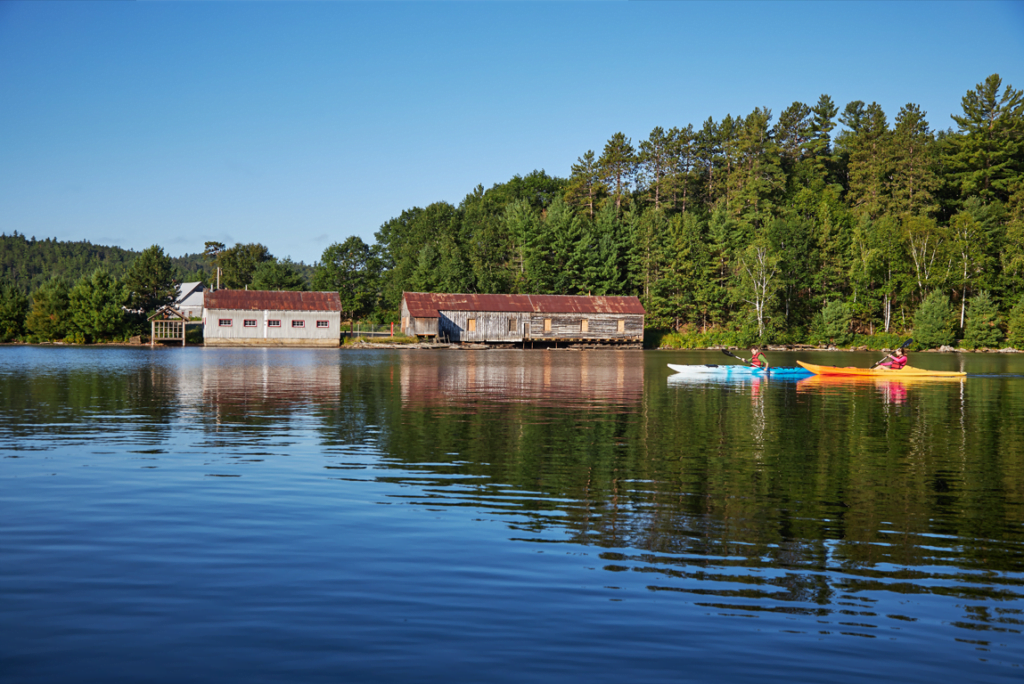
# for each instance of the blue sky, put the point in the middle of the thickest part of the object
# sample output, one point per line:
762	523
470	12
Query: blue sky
300	124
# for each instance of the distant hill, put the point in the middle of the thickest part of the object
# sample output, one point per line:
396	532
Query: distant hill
30	262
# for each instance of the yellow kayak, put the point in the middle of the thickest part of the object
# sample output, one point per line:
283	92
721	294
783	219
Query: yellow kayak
905	372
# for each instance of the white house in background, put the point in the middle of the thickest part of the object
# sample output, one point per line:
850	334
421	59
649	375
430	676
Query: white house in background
190	299
260	318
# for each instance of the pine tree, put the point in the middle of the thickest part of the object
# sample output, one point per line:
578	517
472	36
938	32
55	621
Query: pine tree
655	166
618	167
869	150
986	156
818	146
913	177
983	323
933	322
758	181
585	187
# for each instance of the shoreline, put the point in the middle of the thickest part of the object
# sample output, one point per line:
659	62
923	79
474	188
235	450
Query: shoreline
505	347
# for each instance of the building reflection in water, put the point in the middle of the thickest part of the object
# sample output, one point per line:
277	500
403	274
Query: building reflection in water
550	378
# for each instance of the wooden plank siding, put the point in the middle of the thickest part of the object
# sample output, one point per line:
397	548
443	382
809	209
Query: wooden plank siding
521	318
507	326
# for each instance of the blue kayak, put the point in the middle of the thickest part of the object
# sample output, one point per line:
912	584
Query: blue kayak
736	370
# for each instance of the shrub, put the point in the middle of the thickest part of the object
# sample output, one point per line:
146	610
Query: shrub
933	326
983	323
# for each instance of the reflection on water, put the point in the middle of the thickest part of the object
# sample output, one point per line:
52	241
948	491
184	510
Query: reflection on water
552	378
324	507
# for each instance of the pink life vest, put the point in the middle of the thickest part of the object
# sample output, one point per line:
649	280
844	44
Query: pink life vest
899	362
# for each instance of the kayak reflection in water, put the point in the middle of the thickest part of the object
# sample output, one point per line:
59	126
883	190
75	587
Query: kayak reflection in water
897	360
757	359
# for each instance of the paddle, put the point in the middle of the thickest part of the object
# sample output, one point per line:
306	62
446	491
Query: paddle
897	349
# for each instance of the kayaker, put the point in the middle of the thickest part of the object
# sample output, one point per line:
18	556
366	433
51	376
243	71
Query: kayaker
897	360
757	359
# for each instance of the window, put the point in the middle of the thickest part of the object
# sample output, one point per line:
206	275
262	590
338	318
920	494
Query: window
511	325
224	322
471	325
547	325
249	323
298	324
622	326
584	325
273	324
323	324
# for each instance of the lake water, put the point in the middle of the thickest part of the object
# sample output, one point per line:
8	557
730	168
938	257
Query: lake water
269	515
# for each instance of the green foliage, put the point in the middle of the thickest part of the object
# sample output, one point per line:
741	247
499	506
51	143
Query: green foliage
238	264
784	232
96	307
983	323
278	275
49	318
832	325
351	269
1015	325
150	281
933	324
13	310
987	156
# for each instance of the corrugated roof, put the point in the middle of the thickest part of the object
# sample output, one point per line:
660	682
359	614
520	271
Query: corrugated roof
428	305
263	300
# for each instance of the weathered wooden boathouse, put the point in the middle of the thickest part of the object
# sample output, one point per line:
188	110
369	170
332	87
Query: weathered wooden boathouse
523	318
262	318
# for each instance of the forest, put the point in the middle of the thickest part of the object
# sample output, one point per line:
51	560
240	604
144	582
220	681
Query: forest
818	225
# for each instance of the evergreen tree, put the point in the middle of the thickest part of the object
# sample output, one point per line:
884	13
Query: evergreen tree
818	146
563	231
1012	251
792	133
983	323
585	187
758	181
655	166
933	325
13	310
869	151
150	281
683	159
833	323
618	167
912	166
49	318
986	156
96	306
1015	325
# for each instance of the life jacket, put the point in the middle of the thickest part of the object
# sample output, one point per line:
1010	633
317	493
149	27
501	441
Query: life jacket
755	359
899	362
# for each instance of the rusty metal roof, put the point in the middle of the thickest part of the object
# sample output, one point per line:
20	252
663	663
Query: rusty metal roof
428	305
263	300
